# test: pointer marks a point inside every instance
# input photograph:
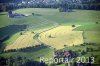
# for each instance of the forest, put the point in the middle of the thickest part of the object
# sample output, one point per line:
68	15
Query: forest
63	5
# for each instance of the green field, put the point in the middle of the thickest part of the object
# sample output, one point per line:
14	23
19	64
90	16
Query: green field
46	18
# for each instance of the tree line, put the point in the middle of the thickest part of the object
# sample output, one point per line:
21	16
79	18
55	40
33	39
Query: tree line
19	61
63	5
68	5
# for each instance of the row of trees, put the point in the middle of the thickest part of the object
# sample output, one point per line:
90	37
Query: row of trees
63	5
27	49
19	61
68	5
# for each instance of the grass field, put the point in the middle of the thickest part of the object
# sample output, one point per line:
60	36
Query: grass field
44	19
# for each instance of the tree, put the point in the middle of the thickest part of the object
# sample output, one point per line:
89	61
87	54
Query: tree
3	61
10	12
65	5
83	52
97	22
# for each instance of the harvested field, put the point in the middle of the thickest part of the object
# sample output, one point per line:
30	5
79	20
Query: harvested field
23	41
60	36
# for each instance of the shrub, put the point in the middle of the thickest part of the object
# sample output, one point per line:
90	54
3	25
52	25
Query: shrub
21	33
83	52
9	12
73	25
32	13
65	45
97	22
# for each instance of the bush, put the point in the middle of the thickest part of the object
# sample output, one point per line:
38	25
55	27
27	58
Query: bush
9	12
21	33
73	25
97	22
83	52
32	13
65	45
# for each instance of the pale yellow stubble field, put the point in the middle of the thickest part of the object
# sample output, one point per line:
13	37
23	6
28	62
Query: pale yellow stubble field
25	40
60	36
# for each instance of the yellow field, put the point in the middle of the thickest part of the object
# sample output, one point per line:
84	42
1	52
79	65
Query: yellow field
60	36
23	41
56	38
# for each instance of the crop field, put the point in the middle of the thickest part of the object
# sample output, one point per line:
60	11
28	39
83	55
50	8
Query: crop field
60	36
25	40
